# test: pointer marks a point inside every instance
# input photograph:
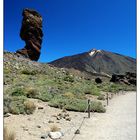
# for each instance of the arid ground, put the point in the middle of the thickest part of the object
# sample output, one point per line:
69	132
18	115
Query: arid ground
118	123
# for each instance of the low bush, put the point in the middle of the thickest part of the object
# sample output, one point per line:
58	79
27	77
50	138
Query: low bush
18	92
6	70
97	107
29	92
101	97
14	105
45	96
7	102
76	105
29	72
115	87
69	78
18	105
111	87
91	89
16	109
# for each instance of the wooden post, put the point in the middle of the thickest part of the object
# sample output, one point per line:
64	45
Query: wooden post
88	108
107	99
112	94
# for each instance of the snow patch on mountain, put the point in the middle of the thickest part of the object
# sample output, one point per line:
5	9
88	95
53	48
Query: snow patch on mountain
94	51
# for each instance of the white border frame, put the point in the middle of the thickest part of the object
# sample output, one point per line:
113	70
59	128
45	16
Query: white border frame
1	68
138	68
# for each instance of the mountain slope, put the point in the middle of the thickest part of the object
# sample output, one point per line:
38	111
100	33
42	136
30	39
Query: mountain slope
98	61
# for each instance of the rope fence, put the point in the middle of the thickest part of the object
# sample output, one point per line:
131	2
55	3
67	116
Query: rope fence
82	121
109	96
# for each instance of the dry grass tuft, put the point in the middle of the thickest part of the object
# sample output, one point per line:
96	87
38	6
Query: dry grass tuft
8	135
31	92
29	107
54	128
69	95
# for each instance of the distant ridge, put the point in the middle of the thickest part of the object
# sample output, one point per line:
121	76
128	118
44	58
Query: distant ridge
98	61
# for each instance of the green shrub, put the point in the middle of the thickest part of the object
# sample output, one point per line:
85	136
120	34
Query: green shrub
6	70
15	105
69	78
45	96
114	88
111	87
76	105
118	87
18	92
97	107
91	89
16	109
29	92
101	97
29	72
18	105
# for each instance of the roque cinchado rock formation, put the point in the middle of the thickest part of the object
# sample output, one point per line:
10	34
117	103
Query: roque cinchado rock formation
31	33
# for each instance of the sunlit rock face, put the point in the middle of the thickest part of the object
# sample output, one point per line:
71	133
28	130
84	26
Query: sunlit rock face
31	33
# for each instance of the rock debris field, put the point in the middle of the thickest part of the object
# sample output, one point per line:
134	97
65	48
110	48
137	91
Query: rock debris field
118	123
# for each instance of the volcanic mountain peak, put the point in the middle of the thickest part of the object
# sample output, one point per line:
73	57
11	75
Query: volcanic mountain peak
98	61
94	51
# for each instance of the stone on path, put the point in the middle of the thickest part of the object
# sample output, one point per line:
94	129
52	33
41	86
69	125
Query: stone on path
55	135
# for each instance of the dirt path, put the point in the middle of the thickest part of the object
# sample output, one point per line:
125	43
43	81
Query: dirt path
118	123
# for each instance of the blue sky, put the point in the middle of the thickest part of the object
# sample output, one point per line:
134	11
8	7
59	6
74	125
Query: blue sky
75	26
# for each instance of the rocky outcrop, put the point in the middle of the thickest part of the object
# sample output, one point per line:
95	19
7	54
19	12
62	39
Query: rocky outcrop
31	33
128	78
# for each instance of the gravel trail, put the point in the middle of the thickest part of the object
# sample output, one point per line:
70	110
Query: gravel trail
118	123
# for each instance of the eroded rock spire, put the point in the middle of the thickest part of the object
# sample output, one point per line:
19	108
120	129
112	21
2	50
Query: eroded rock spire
31	33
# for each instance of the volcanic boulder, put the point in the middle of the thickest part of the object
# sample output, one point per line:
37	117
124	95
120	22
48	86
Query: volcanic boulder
31	33
98	80
128	78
